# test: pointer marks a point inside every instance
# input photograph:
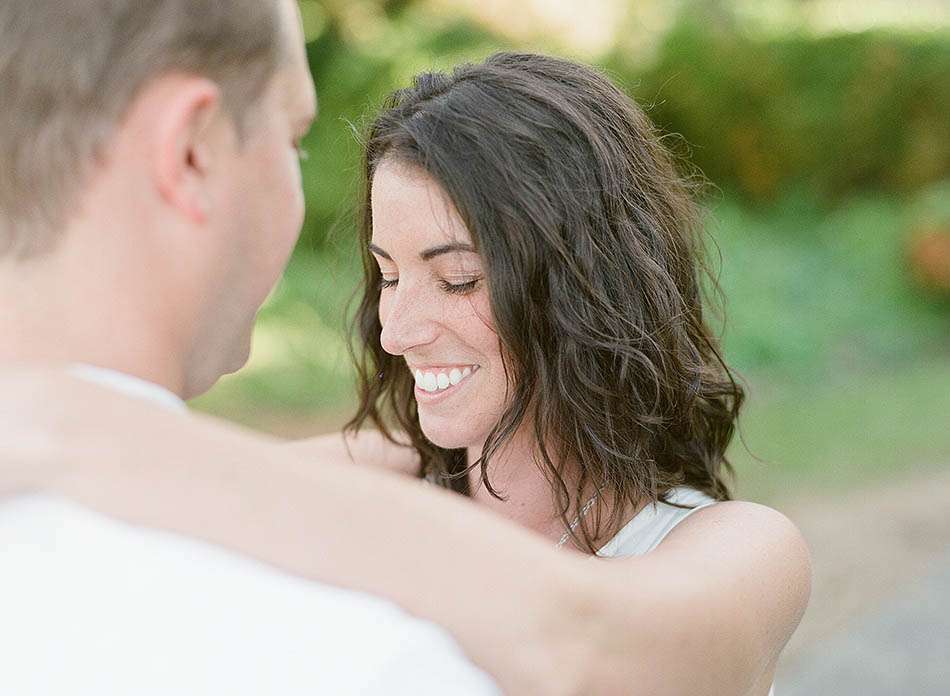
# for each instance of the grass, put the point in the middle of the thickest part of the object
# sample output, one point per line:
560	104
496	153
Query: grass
858	428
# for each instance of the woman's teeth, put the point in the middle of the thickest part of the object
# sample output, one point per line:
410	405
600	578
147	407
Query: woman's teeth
440	381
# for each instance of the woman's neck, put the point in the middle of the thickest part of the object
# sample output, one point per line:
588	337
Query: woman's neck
515	476
515	473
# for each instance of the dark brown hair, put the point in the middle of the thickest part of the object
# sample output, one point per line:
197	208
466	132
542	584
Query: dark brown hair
593	254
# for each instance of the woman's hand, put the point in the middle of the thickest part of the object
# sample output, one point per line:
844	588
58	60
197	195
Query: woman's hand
366	448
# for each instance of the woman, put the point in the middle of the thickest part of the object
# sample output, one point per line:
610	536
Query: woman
534	340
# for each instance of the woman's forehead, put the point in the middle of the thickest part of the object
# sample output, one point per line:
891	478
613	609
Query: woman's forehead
411	209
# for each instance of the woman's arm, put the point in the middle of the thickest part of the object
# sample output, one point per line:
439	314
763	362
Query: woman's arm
705	614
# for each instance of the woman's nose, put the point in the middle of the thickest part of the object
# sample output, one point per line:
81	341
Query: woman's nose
408	320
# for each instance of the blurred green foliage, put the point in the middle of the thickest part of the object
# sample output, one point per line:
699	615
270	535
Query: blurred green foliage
353	75
812	292
829	115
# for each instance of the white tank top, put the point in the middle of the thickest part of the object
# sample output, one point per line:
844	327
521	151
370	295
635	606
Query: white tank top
650	526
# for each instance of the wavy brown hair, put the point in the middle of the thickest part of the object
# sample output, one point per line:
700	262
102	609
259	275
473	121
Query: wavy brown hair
592	245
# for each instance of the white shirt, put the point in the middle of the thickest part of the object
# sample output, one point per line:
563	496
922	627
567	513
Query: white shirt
92	606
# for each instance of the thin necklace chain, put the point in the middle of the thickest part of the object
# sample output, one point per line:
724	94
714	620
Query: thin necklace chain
577	520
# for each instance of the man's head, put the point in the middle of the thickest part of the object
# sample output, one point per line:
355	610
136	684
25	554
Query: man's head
149	149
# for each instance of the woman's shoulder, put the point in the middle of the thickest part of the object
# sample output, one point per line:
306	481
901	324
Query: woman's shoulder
742	566
734	569
735	516
747	543
743	541
724	522
692	528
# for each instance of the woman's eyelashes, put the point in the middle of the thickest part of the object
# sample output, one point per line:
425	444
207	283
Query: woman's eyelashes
457	288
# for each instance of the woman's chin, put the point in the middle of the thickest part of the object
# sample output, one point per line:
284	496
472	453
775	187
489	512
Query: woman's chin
447	437
447	442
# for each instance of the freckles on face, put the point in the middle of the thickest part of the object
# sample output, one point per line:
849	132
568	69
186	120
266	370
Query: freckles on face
434	307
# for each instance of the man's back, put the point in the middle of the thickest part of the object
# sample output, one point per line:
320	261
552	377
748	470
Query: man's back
92	606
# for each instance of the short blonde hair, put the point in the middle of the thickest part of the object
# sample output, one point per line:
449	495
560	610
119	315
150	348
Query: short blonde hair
70	70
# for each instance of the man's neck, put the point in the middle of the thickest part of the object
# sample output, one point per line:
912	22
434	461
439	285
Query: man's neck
106	357
49	314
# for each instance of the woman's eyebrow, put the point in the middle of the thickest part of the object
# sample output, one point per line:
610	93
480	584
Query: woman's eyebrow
429	253
432	252
376	251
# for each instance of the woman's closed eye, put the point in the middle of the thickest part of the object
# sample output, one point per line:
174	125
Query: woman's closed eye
460	287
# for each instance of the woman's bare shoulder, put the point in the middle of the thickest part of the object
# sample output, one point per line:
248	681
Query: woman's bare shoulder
717	527
735	571
740	539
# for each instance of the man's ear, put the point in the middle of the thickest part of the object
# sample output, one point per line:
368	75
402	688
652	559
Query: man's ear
184	114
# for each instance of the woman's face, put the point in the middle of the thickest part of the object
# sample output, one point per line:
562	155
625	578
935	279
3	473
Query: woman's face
434	307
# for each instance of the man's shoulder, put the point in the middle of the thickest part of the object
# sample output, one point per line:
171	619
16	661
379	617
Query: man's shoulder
80	555
124	608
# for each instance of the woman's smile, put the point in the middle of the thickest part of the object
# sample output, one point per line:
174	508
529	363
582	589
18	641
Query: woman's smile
434	383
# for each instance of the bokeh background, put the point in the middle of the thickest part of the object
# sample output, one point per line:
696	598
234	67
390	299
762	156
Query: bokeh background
824	129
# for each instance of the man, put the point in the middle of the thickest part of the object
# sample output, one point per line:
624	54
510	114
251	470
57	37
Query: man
149	199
